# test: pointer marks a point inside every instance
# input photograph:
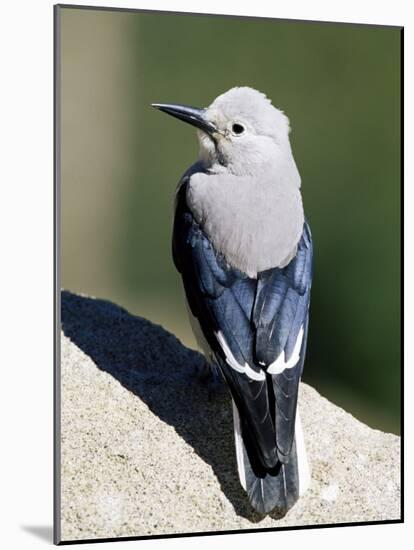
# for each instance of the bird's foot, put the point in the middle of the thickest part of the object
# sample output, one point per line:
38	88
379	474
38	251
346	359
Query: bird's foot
202	371
216	388
209	376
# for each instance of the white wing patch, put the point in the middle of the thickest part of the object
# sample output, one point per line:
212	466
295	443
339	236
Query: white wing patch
234	364
280	364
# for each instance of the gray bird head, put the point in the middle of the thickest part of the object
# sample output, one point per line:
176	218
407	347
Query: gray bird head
241	132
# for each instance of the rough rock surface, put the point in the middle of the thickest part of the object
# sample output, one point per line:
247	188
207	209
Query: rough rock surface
144	452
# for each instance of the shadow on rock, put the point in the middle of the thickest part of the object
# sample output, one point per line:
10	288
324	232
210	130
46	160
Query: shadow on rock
154	365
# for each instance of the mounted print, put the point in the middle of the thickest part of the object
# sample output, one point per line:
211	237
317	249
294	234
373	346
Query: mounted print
228	274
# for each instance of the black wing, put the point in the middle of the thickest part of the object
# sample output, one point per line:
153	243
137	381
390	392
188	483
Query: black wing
249	324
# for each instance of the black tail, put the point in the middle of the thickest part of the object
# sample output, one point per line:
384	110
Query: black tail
278	488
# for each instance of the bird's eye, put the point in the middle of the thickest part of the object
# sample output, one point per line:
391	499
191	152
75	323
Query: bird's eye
237	129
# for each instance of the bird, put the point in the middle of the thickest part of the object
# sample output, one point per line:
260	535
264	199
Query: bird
243	248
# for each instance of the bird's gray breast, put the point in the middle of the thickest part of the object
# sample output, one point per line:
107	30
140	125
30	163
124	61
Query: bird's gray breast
256	223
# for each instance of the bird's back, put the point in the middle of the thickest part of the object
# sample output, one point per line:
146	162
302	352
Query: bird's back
255	222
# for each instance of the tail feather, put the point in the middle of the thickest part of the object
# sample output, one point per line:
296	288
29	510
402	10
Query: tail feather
302	459
279	488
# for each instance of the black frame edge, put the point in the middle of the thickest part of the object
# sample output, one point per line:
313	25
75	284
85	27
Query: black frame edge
233	532
402	366
56	278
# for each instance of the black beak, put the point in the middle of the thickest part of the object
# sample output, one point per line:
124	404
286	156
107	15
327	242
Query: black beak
192	115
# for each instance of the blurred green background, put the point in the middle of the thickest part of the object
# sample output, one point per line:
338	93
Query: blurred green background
121	161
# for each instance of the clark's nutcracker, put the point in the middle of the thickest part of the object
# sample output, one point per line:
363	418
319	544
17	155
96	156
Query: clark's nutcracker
244	251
